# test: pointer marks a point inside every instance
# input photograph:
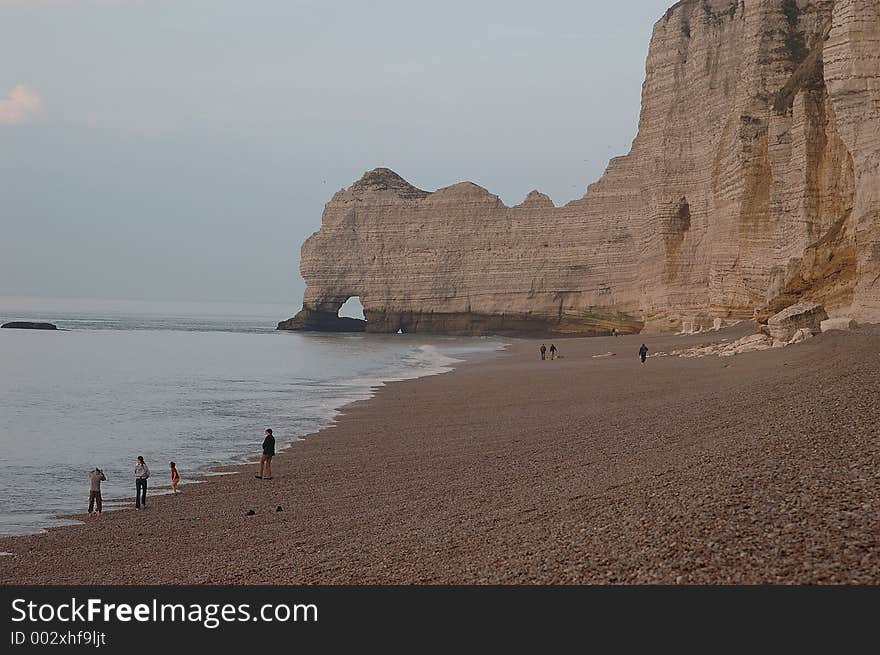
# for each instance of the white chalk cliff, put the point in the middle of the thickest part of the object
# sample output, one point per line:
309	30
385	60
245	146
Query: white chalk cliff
753	183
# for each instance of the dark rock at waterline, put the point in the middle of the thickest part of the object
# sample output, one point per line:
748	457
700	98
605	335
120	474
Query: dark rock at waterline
29	325
323	321
323	318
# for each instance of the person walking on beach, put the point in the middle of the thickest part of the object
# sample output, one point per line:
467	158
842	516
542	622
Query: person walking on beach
266	457
552	351
141	473
96	477
543	352
175	478
643	353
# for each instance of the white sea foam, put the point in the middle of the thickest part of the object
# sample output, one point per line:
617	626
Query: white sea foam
422	361
430	360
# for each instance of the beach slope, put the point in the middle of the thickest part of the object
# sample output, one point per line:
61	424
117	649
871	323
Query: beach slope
759	468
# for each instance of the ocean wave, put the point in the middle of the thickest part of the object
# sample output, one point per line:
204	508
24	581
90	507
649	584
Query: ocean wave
430	360
421	361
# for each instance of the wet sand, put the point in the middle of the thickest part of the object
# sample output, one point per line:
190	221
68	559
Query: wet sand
761	468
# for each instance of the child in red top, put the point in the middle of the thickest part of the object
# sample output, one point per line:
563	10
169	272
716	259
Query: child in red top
175	478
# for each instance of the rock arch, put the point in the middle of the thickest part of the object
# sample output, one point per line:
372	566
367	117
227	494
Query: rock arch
324	317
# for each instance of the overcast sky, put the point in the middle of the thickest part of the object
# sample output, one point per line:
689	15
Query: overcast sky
182	150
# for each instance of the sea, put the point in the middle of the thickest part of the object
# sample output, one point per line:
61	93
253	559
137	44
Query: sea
193	383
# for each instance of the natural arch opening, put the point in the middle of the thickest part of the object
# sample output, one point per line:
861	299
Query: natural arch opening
352	308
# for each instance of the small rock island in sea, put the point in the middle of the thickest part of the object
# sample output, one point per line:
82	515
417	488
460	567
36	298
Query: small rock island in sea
752	185
30	325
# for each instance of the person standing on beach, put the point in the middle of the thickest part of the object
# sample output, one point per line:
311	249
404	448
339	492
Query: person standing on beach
175	478
643	353
141	473
543	352
96	477
552	351
266	457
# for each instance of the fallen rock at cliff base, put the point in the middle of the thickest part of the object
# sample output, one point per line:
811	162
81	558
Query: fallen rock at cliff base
838	324
784	325
751	343
801	335
748	344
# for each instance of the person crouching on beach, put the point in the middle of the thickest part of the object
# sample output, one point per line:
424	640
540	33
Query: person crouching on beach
141	473
266	457
175	478
96	477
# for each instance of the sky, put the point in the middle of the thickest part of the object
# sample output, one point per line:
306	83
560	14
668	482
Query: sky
183	150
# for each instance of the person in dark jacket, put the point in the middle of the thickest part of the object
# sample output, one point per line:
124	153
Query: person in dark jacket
266	457
543	351
643	353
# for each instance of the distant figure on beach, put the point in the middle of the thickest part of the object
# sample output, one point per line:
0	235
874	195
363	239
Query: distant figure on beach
543	352
614	332
552	351
266	457
141	473
96	477
643	353
175	478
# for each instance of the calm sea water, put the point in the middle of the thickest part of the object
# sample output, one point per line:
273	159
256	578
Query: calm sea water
193	383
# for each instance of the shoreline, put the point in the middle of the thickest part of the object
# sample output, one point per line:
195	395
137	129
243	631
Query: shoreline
215	472
512	470
207	472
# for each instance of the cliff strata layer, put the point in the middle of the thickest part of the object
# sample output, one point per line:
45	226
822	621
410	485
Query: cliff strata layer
753	183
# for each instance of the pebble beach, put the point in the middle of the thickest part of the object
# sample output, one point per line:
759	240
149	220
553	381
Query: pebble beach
591	469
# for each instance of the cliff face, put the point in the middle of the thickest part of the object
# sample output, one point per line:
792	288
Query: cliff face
852	65
754	182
